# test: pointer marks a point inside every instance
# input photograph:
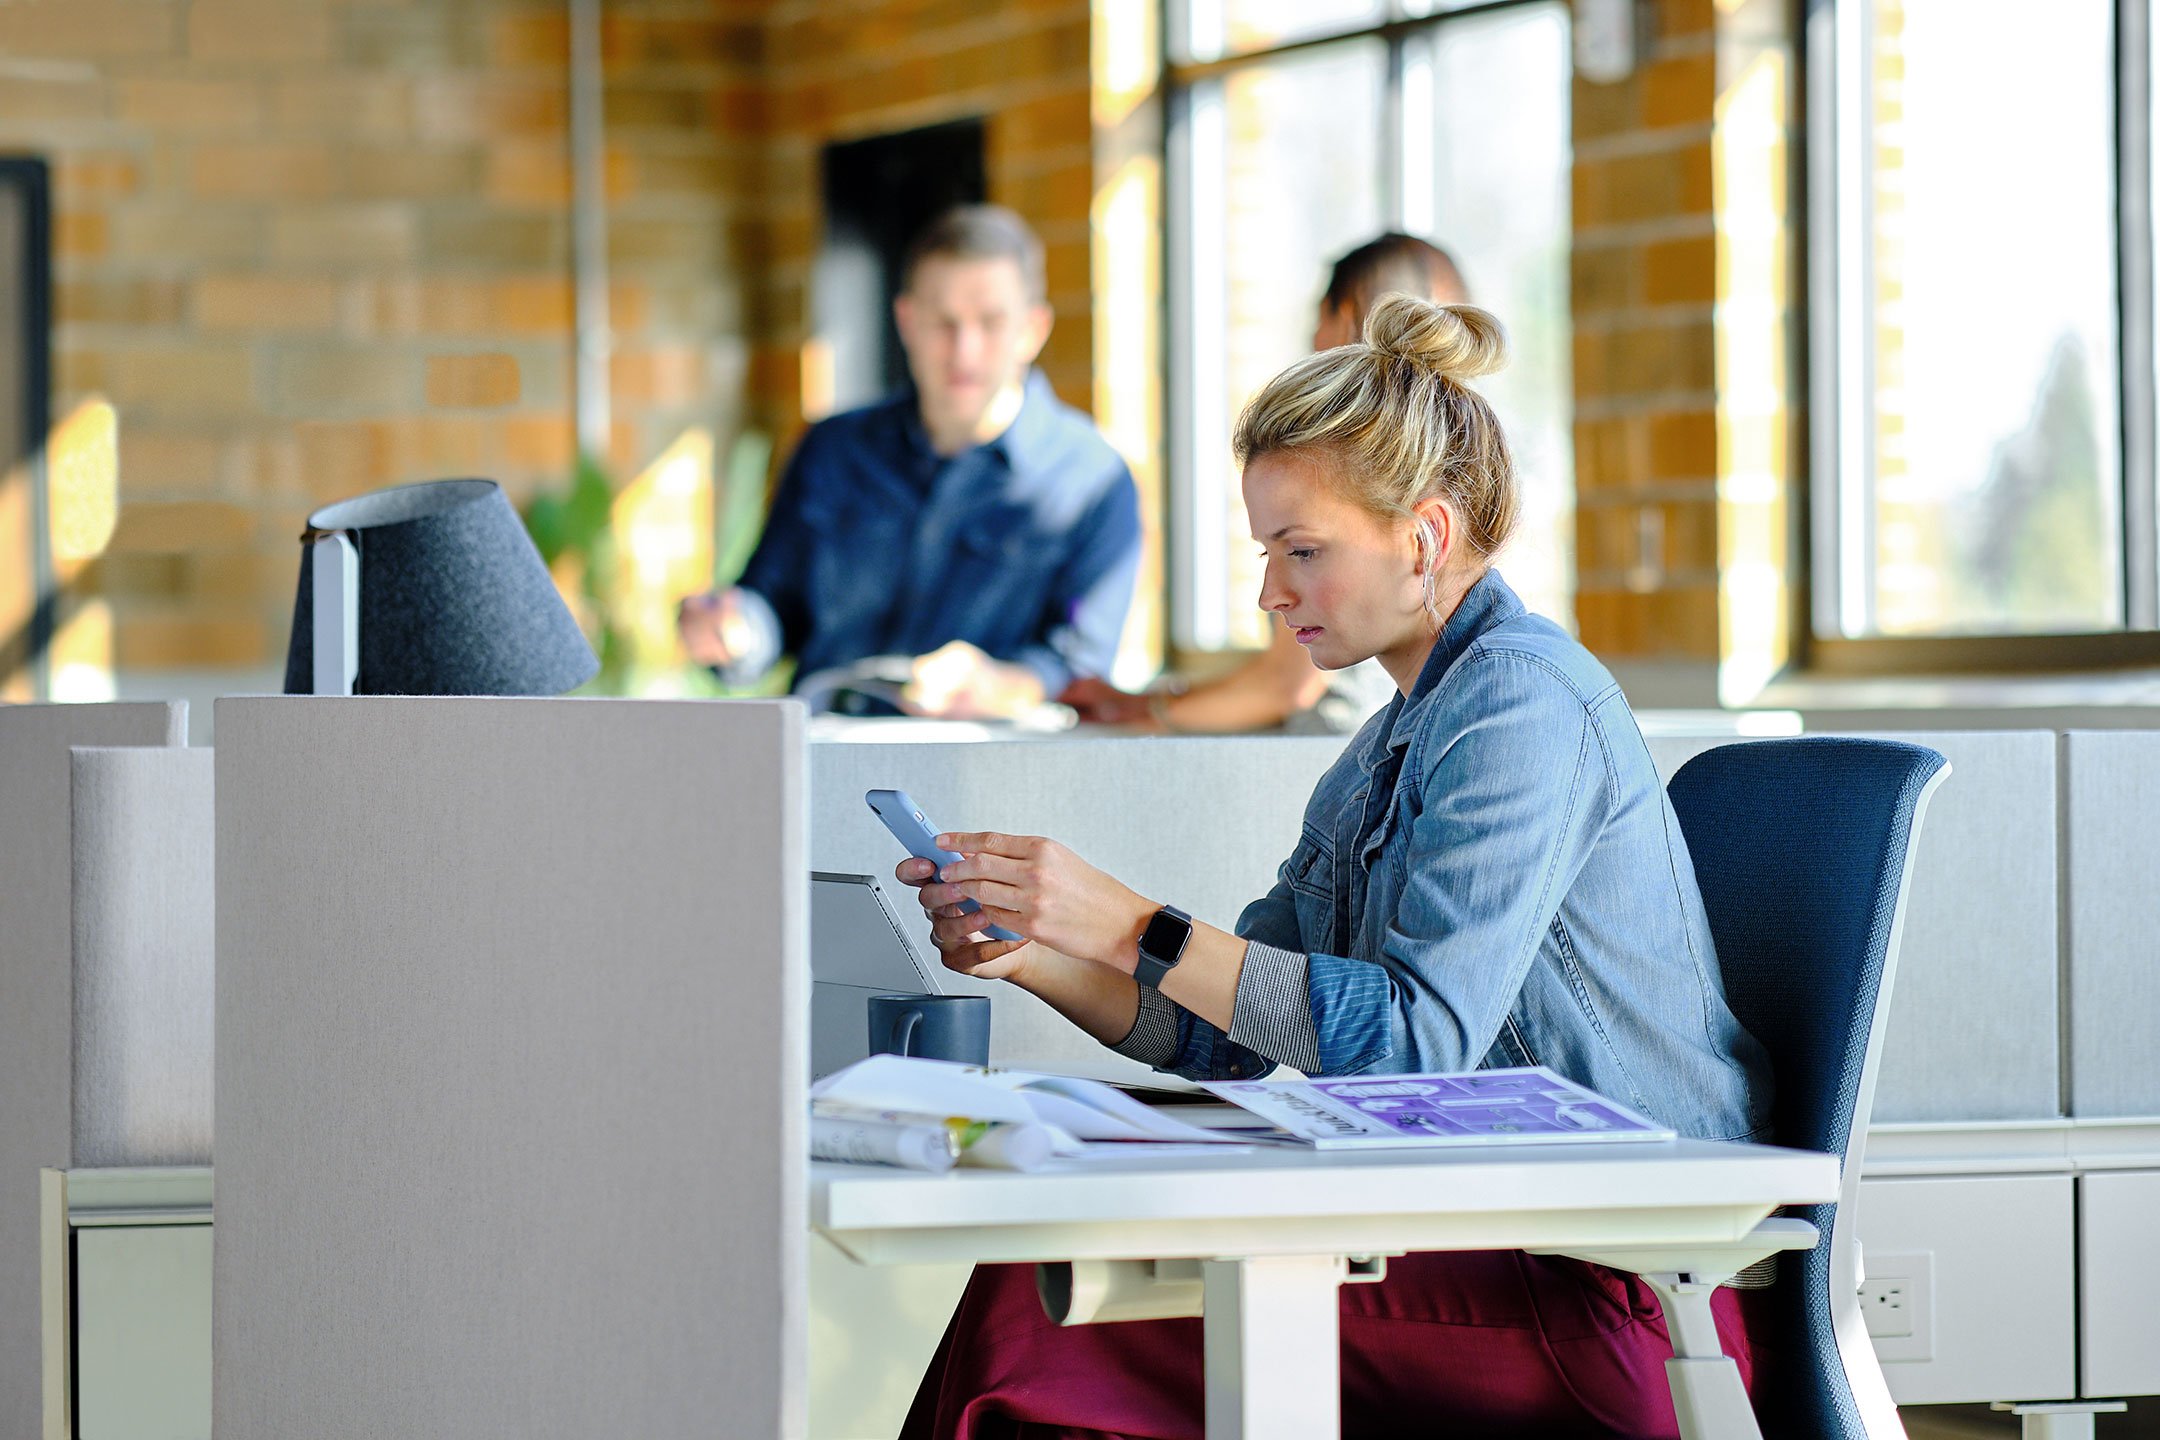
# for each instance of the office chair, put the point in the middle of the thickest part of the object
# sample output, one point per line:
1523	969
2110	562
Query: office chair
1803	848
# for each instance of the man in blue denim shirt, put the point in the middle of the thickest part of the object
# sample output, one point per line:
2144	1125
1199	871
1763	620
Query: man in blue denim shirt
972	525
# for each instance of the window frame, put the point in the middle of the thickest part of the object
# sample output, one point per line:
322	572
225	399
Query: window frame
1836	374
29	652
1197	575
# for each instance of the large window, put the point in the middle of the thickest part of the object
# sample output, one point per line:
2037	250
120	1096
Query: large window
1302	128
1982	333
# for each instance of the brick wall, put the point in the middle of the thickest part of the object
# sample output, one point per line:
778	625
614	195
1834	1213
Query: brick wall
1644	293
845	69
1685	437
310	247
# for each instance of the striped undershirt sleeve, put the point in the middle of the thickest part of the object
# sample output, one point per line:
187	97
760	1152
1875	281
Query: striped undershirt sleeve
1153	1039
1273	1013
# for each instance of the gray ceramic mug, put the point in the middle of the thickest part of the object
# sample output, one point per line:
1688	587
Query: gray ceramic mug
932	1027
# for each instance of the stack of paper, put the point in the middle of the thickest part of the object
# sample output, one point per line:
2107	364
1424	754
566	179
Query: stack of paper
883	1109
929	1115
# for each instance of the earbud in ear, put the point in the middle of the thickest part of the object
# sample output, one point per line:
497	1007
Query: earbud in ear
1428	543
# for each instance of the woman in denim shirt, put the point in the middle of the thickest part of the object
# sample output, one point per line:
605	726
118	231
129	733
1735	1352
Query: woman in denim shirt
1491	875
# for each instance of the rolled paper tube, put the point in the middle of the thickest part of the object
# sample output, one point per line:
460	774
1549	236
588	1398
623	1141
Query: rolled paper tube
930	1146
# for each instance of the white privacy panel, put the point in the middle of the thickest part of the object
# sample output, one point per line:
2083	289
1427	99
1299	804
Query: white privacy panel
511	1050
37	981
1973	1021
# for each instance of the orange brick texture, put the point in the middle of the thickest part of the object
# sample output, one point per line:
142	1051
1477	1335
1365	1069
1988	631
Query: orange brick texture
842	69
1644	292
313	247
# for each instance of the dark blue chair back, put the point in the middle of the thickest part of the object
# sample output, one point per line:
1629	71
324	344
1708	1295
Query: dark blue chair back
1802	848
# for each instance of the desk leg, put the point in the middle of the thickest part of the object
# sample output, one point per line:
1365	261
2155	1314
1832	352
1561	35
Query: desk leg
1274	1364
1708	1400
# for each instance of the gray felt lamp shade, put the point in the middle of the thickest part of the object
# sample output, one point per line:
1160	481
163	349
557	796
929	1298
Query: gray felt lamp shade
454	599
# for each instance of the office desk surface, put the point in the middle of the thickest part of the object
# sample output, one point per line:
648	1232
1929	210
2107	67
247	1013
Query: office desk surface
1291	1202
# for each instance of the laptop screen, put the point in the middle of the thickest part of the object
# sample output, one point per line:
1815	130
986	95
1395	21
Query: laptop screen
857	949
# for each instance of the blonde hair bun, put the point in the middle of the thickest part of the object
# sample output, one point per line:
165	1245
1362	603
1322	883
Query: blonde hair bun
1392	422
1460	342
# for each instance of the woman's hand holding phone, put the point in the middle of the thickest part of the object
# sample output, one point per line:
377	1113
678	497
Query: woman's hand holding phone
1041	889
985	892
1083	925
1099	998
904	819
957	933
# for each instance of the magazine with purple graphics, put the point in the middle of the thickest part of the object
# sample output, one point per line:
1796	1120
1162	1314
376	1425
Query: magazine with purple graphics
1529	1106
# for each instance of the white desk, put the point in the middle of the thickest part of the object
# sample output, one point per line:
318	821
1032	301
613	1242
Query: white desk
1273	1229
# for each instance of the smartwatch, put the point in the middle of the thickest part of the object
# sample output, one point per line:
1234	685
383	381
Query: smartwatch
1162	945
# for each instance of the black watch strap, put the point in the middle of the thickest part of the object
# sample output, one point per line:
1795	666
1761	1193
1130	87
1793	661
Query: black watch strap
1162	945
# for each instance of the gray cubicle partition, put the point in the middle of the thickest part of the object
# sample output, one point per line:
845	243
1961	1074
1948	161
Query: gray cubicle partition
510	1068
1974	1025
1973	1028
2112	844
1199	822
38	976
145	941
2111	961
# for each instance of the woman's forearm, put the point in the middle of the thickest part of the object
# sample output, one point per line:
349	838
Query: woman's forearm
1098	998
1086	927
1205	979
1103	999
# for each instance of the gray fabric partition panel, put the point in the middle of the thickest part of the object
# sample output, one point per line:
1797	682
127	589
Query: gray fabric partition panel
2112	799
1973	1029
511	1028
144	846
1204	821
36	996
1198	822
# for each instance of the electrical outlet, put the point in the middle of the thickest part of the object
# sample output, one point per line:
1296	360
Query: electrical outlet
1897	1300
1887	1305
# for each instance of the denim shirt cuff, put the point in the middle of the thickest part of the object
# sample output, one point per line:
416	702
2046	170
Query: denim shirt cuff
1153	1039
1352	1003
1273	1015
1048	666
763	652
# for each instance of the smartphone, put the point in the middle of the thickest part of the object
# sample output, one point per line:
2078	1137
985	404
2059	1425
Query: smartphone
905	819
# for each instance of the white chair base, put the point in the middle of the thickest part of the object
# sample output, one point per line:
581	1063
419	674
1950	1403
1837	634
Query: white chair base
2060	1419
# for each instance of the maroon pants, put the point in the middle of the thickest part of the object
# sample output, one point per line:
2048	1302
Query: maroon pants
1479	1343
